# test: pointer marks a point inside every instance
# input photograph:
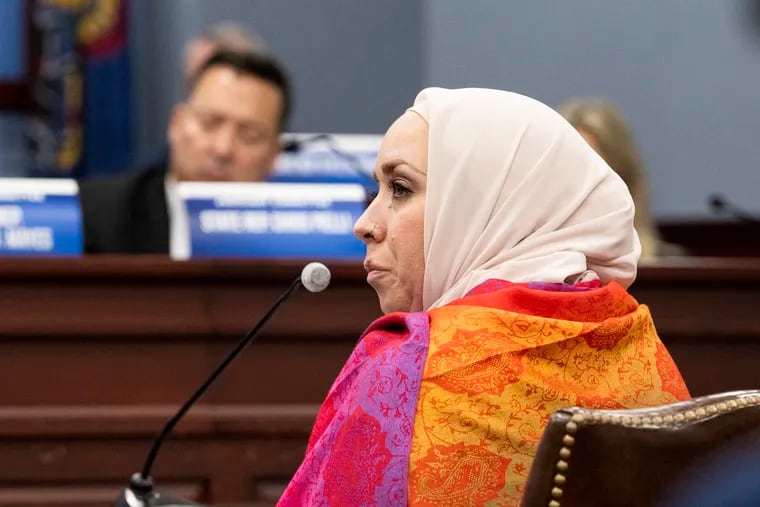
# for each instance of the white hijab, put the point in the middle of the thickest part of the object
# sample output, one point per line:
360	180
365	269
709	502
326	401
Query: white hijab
515	193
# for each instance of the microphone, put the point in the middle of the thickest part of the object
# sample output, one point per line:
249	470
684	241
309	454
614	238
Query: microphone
355	164
296	145
315	277
719	204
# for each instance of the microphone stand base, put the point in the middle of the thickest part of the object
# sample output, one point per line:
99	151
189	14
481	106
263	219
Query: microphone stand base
140	493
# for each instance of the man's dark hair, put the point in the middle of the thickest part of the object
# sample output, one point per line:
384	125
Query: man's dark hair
253	64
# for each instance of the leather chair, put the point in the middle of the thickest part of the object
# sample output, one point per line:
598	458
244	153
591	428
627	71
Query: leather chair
637	457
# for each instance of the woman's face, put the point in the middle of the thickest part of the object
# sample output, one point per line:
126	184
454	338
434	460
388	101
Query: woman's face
392	226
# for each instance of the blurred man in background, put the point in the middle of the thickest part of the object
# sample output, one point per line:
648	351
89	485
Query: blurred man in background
226	35
227	129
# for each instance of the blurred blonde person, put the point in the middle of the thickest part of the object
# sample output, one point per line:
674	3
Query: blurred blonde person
603	126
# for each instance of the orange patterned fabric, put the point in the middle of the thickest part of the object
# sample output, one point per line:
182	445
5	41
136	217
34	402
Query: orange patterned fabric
500	362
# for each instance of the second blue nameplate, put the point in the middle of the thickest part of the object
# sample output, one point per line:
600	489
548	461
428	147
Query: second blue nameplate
273	220
39	218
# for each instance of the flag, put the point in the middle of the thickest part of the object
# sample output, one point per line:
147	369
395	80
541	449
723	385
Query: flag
82	125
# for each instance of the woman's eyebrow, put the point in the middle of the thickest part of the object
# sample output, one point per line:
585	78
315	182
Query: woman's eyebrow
390	166
387	168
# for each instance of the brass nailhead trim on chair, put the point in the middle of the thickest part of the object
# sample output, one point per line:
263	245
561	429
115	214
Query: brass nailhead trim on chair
663	421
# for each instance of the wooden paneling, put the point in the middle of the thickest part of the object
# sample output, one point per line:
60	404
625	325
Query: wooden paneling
707	312
97	353
219	454
714	238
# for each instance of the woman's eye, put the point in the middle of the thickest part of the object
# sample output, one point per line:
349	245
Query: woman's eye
399	190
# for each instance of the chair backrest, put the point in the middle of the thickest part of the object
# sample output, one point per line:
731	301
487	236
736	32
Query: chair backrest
634	457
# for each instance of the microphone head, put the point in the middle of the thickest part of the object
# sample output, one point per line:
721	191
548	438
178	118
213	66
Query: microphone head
315	277
717	202
291	146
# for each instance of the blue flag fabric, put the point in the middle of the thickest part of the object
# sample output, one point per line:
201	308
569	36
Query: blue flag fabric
83	124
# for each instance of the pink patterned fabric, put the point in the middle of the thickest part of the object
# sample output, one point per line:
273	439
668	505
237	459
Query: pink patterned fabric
358	453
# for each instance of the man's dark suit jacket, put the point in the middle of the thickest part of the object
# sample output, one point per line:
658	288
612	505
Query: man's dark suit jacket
127	214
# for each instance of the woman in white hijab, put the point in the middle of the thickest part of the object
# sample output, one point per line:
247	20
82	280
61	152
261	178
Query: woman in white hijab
500	246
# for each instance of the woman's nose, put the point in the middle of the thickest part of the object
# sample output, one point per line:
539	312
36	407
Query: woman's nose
363	228
367	227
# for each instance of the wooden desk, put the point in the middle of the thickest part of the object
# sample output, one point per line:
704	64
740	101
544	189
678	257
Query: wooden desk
95	354
713	238
707	312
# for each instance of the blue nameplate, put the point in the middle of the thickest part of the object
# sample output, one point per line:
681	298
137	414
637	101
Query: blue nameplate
273	220
39	218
